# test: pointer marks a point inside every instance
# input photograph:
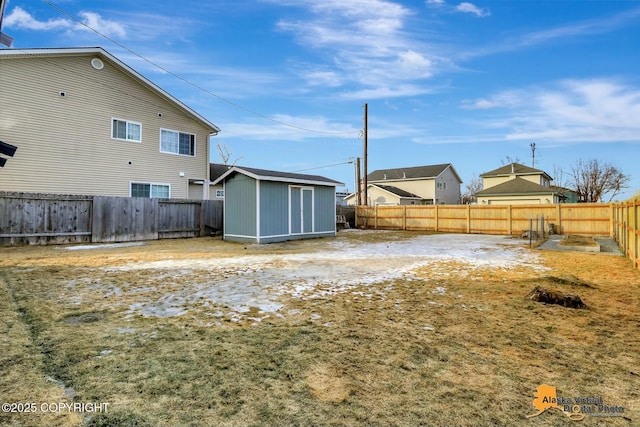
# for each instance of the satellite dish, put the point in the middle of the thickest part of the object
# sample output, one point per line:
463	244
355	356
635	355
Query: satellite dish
97	64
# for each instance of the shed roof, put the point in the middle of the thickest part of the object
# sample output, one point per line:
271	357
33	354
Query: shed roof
103	54
516	186
269	175
416	172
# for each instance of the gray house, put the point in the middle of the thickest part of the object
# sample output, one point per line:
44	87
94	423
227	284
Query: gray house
265	206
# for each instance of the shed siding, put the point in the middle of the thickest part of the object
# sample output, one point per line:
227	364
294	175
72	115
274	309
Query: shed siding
325	209
64	142
240	206
274	208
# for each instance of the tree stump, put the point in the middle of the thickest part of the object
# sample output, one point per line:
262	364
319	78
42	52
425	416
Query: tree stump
552	296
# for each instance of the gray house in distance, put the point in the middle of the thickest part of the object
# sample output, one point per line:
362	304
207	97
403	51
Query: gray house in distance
263	206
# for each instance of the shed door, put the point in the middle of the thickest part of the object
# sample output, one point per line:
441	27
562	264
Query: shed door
295	216
307	210
301	215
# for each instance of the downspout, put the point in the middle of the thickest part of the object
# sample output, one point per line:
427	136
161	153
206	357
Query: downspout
206	187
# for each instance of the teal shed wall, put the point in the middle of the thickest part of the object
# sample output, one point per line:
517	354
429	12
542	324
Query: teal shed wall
325	209
274	208
240	207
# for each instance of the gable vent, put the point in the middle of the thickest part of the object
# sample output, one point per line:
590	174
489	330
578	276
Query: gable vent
97	63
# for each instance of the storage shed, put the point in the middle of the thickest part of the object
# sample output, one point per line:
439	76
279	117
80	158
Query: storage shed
264	206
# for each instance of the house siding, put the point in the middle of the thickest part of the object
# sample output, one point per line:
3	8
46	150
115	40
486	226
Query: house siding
64	142
425	188
531	199
241	205
450	194
493	181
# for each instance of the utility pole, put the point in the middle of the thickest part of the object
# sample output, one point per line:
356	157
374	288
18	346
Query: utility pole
533	154
366	196
358	189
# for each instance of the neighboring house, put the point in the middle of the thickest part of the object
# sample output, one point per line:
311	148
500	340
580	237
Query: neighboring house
216	170
565	195
340	198
265	206
421	185
86	123
516	184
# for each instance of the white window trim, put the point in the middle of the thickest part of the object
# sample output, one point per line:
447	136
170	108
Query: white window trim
219	194
195	142
127	122
151	184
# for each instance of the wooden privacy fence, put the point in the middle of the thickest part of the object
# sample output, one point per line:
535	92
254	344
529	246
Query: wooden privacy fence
52	219
576	218
626	228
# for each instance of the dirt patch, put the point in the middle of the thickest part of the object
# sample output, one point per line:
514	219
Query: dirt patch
552	296
573	240
84	318
327	383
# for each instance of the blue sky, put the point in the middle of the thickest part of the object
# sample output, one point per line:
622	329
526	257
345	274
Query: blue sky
468	83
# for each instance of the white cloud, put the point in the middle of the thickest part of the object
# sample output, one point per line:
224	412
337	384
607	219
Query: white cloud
21	19
271	131
600	110
104	26
368	45
466	7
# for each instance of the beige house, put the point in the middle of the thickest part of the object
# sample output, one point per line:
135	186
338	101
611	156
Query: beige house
516	184
421	185
86	123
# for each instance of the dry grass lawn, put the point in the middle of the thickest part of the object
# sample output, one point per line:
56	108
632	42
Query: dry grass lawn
459	349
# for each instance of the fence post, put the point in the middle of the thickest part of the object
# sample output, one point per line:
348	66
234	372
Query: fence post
611	226
509	220
404	217
436	214
201	218
375	223
558	215
530	229
468	219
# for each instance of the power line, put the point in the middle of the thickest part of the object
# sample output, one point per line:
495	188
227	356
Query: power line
326	166
190	83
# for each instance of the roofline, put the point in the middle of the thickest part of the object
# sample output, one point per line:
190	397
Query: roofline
497	175
449	165
382	189
397	195
516	193
100	51
276	178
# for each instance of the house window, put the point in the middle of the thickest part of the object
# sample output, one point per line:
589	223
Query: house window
143	189
129	131
442	185
220	194
177	142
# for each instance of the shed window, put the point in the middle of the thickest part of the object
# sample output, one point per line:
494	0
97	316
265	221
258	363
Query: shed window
177	142
143	189
123	129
